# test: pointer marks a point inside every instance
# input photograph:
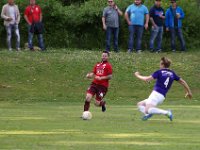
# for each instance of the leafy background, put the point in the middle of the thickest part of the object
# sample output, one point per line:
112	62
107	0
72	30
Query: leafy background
77	23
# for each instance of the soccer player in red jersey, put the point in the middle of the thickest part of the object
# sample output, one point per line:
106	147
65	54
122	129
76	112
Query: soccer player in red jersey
101	74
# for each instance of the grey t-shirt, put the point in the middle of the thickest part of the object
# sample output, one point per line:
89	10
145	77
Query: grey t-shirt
111	16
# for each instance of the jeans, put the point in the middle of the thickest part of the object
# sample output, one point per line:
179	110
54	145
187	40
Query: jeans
115	32
30	39
136	30
9	30
174	33
156	33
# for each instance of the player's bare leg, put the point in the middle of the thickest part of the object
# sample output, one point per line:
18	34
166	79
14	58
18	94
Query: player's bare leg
141	106
154	110
87	101
102	104
144	107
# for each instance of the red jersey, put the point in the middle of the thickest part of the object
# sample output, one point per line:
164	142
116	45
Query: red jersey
102	69
33	13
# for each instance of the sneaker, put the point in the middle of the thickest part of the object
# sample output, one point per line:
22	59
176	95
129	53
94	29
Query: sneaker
10	49
103	107
139	51
159	51
18	49
146	117
170	115
129	51
173	50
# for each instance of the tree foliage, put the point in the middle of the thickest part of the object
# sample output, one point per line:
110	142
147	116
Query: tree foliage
77	23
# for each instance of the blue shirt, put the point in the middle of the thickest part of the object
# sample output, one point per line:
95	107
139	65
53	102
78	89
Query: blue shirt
155	13
169	20
165	78
137	14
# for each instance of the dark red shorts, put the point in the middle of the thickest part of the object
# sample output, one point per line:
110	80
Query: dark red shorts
98	90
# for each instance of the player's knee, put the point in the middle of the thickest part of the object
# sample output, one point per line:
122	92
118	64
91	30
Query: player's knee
139	104
88	98
147	110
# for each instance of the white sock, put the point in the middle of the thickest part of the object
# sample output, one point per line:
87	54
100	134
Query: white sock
157	111
142	109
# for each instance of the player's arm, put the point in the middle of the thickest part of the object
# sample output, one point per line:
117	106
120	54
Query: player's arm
104	23
90	75
143	78
152	22
146	21
3	14
26	16
187	88
127	18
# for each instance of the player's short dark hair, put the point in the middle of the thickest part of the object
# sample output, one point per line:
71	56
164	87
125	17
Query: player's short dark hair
106	52
166	62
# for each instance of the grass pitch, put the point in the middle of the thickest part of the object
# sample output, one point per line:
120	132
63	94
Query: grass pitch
58	126
42	95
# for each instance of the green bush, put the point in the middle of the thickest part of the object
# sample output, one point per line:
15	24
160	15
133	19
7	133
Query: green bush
77	24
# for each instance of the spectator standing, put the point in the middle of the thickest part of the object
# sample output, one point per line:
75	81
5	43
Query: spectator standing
173	22
10	14
157	16
110	20
135	15
33	17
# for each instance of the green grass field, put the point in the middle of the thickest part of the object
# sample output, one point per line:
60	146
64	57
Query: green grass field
42	95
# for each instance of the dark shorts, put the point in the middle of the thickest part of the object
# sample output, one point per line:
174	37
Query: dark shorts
98	90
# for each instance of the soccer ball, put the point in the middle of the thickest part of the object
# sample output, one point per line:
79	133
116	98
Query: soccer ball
87	115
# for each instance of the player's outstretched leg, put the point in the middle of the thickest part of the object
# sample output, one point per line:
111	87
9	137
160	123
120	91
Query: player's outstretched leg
102	104
87	102
141	106
146	117
158	111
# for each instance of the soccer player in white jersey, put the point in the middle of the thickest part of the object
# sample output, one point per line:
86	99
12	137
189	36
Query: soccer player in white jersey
164	79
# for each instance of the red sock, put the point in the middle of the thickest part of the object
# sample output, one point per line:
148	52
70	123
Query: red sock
86	106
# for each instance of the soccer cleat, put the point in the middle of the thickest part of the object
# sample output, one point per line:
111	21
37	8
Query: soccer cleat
146	117
170	115
103	108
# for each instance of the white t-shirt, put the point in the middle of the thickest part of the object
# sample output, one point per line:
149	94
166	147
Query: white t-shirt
12	13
